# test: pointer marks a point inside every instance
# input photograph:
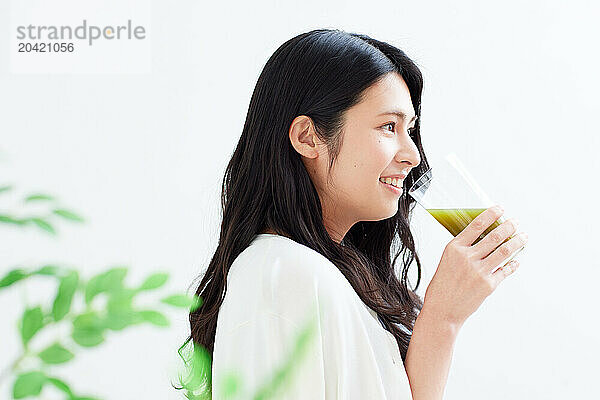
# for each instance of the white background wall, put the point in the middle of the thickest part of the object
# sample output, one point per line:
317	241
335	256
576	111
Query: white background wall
511	87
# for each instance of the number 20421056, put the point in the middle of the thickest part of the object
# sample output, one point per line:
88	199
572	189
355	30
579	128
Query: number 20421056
26	47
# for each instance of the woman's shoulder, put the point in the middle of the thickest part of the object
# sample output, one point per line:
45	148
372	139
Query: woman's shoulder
284	258
278	273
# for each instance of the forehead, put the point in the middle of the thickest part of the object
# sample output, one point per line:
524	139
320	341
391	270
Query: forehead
389	93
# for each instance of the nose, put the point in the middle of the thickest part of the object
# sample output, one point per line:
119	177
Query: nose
408	151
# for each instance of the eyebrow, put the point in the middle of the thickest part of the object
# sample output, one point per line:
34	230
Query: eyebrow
400	114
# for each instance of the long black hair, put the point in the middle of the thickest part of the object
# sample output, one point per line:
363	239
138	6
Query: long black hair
320	74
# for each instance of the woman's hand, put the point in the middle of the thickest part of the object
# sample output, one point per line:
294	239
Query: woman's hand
465	275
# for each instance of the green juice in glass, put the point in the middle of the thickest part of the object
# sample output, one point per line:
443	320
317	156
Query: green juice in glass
457	219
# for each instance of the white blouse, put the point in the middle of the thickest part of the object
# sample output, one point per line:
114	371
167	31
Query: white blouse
275	288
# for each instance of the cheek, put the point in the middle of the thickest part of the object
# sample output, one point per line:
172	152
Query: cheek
381	156
385	148
361	165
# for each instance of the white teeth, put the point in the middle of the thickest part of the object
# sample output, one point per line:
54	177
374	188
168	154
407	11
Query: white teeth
393	182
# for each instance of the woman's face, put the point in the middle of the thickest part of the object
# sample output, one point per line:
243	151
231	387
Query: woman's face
375	143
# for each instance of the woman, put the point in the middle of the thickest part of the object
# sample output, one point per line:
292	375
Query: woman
315	215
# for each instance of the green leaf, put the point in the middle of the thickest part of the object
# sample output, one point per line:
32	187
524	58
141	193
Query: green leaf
37	197
93	287
13	276
154	317
120	300
6	188
55	354
178	300
88	329
120	320
87	338
11	220
181	301
113	279
28	384
120	313
64	296
61	385
107	281
70	215
154	281
51	270
31	323
43	224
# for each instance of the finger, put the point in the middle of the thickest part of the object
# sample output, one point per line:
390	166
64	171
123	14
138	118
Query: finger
504	251
495	238
503	272
478	225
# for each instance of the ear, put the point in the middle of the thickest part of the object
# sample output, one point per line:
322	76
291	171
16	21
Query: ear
304	138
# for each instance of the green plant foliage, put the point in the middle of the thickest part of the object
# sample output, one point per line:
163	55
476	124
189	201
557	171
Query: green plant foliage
42	223
50	270
64	296
12	220
183	301
154	317
61	385
31	322
37	197
6	188
28	384
109	281
67	214
13	276
120	311
89	327
154	281
56	353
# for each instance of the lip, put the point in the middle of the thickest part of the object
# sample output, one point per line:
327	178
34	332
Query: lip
397	176
394	189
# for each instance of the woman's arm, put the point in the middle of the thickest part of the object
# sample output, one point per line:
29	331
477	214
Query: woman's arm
429	355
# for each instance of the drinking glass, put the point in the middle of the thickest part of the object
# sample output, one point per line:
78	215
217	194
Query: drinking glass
452	196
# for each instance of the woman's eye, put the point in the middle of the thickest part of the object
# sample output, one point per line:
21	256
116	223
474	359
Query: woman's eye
393	124
390	123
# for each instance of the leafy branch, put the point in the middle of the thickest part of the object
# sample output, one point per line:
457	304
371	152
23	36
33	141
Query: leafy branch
44	221
89	327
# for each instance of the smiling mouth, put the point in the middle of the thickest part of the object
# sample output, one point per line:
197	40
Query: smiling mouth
398	191
397	183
